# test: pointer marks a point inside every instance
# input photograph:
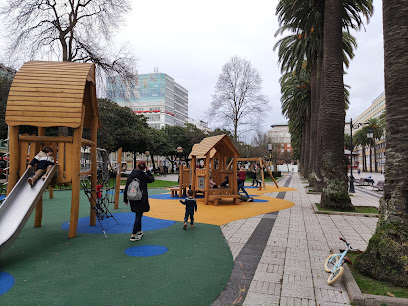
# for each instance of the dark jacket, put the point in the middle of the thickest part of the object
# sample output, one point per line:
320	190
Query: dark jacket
144	178
190	203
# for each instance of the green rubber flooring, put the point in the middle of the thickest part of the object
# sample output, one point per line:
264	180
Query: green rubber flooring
51	269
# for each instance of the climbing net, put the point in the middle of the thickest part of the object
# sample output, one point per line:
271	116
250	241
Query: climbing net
104	194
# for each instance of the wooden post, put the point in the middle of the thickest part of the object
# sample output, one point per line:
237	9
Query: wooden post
119	168
94	170
207	177
193	174
76	167
232	160
271	175
39	205
180	180
14	158
233	179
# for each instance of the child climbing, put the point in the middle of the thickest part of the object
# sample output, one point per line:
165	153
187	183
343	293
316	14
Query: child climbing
191	206
44	161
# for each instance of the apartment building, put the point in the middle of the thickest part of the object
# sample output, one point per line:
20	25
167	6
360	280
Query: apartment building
375	110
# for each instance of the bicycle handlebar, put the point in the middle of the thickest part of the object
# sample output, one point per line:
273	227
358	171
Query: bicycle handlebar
348	244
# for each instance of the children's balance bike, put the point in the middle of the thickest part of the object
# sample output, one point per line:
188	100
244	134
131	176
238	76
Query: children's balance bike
334	264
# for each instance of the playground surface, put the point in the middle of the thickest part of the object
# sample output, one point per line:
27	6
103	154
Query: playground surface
274	258
168	266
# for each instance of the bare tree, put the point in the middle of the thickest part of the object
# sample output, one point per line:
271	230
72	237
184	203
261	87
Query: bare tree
69	30
237	102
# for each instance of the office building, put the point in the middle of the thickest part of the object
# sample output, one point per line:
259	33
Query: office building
156	96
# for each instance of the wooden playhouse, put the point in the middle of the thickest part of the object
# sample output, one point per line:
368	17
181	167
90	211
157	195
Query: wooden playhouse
54	94
216	152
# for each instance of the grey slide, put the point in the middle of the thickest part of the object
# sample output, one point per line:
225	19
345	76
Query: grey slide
18	206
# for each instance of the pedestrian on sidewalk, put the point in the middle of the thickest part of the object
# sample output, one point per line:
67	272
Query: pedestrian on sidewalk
44	161
191	206
143	176
258	176
253	174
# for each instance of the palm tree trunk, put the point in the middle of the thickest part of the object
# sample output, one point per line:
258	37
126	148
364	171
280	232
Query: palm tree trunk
386	255
364	160
307	147
334	168
313	124
318	186
375	157
371	157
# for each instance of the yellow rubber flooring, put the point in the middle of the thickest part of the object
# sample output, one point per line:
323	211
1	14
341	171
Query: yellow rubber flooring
225	212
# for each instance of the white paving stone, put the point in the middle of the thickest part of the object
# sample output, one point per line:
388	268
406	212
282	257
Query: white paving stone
290	271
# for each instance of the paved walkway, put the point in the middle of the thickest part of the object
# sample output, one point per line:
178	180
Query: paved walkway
278	257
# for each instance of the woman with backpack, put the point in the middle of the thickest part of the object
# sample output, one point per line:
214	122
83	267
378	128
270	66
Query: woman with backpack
136	193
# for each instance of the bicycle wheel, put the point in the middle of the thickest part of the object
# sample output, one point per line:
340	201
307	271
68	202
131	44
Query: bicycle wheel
335	276
329	265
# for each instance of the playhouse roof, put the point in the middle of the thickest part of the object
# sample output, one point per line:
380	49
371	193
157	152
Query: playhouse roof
220	143
50	94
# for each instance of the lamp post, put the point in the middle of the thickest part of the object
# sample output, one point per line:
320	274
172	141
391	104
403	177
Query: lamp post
270	155
147	153
355	126
179	151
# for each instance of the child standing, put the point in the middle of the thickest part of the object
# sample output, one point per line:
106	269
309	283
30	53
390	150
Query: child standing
44	161
191	206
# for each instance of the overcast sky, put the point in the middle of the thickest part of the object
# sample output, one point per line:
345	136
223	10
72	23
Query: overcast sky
191	42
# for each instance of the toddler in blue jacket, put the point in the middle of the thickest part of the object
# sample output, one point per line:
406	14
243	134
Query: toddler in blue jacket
191	206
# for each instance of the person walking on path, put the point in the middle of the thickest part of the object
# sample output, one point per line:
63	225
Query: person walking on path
253	174
44	161
258	176
144	176
191	206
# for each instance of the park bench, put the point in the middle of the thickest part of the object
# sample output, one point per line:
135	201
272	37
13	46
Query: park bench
379	186
174	191
361	182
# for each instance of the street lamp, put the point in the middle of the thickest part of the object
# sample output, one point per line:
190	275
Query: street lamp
147	153
369	134
179	151
270	155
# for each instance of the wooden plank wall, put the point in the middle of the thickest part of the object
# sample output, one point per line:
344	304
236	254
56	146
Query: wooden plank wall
45	94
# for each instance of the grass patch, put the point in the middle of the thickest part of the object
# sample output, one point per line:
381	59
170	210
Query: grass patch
371	286
157	184
358	209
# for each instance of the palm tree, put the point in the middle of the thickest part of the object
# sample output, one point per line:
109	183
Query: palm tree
386	255
378	130
295	101
361	139
305	18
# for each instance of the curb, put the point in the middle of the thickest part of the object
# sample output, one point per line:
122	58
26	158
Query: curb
317	211
359	298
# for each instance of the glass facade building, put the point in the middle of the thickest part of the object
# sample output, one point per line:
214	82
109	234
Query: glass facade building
154	95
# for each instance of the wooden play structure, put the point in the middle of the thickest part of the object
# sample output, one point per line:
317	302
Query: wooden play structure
54	94
261	162
215	151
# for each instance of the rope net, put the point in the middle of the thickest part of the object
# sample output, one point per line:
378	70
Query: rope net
104	194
